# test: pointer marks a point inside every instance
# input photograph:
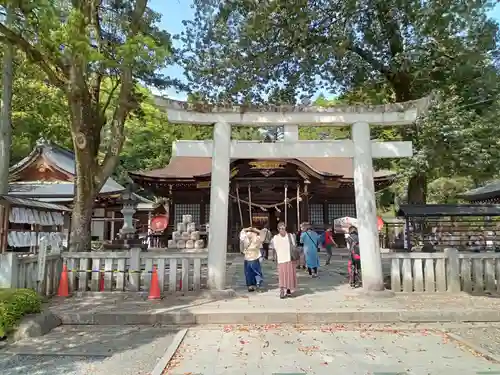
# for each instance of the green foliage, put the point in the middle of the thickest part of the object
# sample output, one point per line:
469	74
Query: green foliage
369	52
38	110
14	304
448	190
96	54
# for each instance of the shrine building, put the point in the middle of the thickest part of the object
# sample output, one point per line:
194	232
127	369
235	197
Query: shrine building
317	190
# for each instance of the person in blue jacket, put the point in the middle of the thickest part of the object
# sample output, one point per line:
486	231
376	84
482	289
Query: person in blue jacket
310	240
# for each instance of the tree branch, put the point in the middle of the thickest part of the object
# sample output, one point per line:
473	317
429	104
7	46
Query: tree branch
98	75
124	104
369	59
33	54
109	98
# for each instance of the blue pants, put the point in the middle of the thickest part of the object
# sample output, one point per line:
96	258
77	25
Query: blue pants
253	272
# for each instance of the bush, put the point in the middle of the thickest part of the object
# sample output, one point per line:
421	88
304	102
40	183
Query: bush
14	304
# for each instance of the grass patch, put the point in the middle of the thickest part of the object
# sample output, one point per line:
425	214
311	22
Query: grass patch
14	304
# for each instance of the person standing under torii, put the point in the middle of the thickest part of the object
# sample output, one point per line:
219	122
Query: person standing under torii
310	243
286	254
250	243
265	236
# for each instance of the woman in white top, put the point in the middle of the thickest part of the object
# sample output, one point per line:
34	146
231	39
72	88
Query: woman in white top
250	247
283	244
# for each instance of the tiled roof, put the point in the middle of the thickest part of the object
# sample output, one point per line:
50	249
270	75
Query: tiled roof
62	159
488	191
187	167
34	204
49	189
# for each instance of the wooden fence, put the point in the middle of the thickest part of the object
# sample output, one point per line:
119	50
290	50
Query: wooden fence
448	271
132	271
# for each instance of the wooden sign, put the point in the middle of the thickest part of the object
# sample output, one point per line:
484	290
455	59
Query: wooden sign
234	172
203	185
332	183
267	164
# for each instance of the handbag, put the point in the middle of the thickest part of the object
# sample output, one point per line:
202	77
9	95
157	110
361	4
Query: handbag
294	252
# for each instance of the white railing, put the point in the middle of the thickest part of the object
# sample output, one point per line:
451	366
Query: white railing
132	271
448	271
27	273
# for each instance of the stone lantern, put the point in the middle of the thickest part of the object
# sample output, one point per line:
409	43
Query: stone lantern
129	201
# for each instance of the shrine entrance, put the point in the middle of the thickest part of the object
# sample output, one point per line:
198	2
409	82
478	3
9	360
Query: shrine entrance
360	148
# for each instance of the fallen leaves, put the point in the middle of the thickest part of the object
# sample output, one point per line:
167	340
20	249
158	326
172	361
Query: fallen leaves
308	349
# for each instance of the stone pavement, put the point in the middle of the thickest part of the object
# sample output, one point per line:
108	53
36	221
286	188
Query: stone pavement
88	350
327	299
327	350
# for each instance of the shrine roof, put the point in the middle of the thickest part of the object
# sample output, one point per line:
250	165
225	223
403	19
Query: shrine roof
488	191
61	159
184	167
32	203
43	189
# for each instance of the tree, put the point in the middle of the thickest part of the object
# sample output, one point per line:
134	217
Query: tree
246	48
6	111
93	51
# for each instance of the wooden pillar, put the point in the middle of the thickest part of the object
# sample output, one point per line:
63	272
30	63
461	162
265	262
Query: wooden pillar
4	226
171	210
305	205
325	214
203	211
112	225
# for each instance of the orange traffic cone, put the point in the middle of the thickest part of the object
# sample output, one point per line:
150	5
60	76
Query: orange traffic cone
154	290
63	290
101	282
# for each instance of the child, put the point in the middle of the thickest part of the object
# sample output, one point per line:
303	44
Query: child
251	243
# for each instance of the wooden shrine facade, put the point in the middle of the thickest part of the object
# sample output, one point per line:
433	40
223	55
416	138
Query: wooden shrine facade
47	175
317	190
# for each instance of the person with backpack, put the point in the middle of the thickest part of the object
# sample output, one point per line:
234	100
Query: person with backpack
310	242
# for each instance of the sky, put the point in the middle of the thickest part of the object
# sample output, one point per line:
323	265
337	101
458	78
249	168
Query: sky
175	11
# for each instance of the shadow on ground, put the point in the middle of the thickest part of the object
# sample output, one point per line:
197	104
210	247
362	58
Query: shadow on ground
88	350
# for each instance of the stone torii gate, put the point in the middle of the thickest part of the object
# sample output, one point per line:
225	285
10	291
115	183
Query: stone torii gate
360	148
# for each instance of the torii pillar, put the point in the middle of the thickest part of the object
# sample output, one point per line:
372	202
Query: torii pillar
360	148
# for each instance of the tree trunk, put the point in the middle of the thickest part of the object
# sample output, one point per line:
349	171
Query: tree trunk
417	188
85	190
83	204
81	220
5	120
417	185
